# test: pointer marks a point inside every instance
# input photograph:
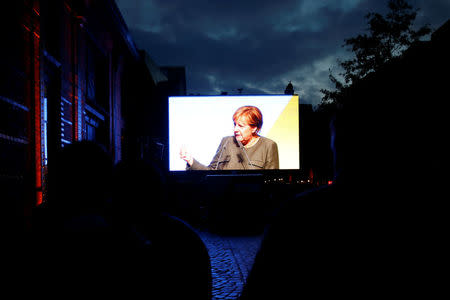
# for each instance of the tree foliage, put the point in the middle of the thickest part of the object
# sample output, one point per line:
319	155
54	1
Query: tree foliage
388	37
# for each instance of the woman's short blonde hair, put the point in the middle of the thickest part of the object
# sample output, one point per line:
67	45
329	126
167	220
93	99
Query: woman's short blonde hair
251	115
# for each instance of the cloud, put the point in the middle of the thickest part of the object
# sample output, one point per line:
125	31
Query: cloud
435	13
256	45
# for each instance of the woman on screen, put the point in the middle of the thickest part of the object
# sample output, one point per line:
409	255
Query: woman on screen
245	150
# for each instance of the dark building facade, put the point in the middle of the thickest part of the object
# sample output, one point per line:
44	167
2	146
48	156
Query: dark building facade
146	109
176	80
69	72
289	89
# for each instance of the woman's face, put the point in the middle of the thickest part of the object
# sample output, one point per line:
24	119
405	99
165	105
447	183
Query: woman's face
243	131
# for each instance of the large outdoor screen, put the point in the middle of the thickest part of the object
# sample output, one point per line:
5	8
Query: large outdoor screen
198	124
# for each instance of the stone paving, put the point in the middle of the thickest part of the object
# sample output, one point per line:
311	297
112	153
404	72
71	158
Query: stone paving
231	260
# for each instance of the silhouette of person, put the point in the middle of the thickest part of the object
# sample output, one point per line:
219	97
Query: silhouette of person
176	259
332	240
72	234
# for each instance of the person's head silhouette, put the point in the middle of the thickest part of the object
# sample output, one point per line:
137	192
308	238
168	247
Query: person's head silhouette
80	178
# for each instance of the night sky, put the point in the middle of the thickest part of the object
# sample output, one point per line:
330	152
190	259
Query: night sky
258	46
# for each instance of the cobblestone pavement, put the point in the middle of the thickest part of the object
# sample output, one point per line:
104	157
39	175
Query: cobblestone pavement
231	260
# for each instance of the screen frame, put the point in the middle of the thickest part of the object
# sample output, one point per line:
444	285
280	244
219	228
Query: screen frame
239	172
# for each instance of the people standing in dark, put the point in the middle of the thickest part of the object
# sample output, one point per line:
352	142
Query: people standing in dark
335	240
79	190
165	258
302	251
72	234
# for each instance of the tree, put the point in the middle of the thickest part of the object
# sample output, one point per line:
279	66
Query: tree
388	37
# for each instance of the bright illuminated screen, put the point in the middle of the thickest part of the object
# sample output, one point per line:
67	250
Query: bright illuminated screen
198	123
